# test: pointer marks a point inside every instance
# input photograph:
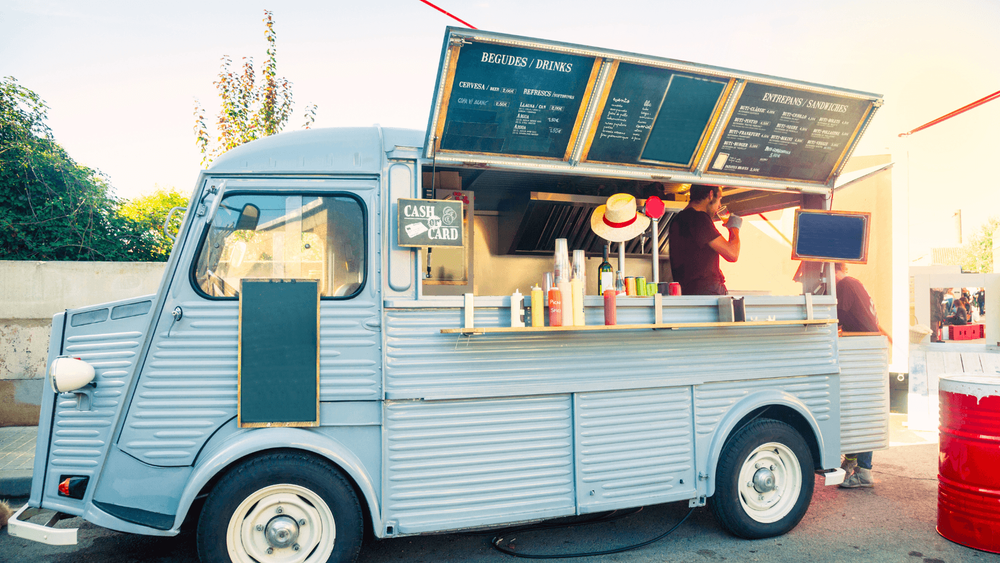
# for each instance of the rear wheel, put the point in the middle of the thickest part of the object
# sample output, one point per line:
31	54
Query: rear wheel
281	508
764	481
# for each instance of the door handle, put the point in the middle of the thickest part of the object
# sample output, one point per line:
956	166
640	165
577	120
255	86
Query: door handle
373	324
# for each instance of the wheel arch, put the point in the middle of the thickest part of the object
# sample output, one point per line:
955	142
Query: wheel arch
772	404
242	446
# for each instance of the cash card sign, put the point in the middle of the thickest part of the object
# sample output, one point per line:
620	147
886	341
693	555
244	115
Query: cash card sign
430	222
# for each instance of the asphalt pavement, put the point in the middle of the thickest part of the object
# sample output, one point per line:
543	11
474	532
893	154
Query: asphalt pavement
893	522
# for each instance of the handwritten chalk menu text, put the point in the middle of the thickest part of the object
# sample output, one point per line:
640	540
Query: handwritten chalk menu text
787	133
514	101
654	115
430	222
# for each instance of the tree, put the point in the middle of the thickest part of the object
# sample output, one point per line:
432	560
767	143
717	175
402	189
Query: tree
148	213
977	254
250	110
52	208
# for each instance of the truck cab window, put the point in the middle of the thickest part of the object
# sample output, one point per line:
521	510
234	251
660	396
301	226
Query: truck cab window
277	236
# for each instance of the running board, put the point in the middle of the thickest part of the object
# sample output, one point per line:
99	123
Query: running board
42	533
833	476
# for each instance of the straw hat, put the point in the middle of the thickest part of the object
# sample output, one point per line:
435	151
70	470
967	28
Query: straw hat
618	220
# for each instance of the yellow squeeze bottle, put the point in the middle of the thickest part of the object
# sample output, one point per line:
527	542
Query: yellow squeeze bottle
537	306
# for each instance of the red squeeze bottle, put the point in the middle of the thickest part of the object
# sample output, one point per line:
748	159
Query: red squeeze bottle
610	313
555	307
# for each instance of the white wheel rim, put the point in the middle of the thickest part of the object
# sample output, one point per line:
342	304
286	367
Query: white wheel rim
769	501
246	535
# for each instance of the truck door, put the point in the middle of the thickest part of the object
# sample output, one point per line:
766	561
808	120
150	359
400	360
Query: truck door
279	229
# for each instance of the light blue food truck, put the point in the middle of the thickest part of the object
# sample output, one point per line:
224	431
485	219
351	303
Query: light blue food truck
306	372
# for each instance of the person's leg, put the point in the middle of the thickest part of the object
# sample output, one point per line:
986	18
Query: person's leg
862	475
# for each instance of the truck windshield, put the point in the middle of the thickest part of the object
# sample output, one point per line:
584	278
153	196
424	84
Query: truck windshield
279	236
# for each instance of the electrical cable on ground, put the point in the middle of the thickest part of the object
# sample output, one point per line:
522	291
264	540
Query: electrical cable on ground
497	540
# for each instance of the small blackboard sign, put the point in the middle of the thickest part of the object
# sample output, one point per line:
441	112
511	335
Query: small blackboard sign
781	132
278	353
514	100
831	236
654	115
430	222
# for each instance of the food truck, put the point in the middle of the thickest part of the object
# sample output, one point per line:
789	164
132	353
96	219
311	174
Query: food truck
338	342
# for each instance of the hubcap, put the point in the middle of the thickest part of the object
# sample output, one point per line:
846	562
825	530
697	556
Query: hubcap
763	481
770	481
281	524
281	532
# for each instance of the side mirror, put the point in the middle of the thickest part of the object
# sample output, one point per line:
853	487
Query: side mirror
248	218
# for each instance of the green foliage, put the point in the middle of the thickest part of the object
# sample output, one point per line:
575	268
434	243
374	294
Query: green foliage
148	213
977	254
250	110
52	208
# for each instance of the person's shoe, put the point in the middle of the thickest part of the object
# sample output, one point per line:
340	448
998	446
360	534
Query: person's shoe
848	466
861	478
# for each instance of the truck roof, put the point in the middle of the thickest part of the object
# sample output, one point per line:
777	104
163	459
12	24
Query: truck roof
318	151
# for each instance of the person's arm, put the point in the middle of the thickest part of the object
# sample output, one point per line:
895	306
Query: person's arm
728	249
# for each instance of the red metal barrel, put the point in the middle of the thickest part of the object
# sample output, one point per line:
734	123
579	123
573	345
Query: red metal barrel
969	466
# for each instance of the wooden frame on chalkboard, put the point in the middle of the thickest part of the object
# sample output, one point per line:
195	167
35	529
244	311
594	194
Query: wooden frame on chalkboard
852	139
703	141
453	57
831	236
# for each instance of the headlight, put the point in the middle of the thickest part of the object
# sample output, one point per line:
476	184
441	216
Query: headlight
70	374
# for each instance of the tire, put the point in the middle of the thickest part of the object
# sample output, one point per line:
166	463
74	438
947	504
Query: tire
304	510
764	481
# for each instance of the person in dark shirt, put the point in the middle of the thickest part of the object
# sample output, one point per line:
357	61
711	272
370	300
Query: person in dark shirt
856	313
696	245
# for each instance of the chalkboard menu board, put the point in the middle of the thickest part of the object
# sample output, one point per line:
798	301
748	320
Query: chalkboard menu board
831	236
779	132
278	353
514	100
654	115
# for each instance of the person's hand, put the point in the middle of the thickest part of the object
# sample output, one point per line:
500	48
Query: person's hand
734	222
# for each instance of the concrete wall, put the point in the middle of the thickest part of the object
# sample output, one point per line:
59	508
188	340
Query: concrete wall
30	293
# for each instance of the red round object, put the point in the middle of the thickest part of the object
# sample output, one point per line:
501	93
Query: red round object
968	479
654	207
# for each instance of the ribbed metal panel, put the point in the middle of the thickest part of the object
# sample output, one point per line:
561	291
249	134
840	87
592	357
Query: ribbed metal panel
189	381
864	394
713	401
454	464
423	363
82	423
634	448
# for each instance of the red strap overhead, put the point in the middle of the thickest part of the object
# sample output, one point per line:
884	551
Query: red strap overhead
449	15
976	103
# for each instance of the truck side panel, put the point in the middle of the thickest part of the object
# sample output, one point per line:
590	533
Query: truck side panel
422	363
864	394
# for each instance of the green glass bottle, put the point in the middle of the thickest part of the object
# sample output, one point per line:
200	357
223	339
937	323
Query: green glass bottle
605	273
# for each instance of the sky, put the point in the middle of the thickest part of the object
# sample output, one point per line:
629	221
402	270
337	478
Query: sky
121	77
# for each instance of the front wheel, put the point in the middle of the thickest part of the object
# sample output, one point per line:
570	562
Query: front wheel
764	480
281	508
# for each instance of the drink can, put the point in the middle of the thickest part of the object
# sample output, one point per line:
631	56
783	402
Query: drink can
650	289
630	286
640	286
674	288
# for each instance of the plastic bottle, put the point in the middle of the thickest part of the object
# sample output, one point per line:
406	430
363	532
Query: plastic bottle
537	306
516	309
555	307
576	286
610	303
